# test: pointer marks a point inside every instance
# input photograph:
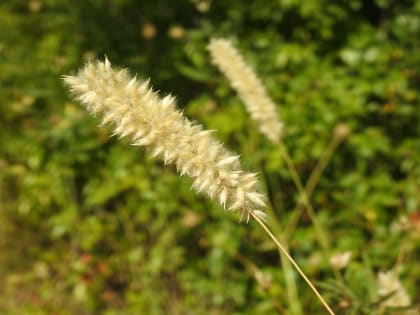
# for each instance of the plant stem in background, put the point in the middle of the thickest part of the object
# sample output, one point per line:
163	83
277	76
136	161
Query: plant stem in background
295	305
303	196
263	282
340	133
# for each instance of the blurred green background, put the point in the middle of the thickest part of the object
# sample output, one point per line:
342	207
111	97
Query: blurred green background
91	225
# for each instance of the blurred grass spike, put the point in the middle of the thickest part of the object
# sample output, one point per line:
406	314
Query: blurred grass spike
249	87
148	120
262	109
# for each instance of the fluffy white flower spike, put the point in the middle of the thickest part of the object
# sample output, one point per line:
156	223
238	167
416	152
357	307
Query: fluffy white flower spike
141	115
248	86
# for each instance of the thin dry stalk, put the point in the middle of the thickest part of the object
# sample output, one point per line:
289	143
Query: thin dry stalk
293	262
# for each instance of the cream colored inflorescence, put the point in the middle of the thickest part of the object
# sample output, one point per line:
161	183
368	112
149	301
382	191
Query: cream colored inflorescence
248	86
147	120
389	283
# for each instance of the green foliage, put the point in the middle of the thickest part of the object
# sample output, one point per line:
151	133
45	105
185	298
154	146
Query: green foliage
90	225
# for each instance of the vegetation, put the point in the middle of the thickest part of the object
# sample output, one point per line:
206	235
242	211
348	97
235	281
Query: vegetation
92	225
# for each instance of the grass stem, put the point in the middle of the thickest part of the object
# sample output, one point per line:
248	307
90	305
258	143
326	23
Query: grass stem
312	182
303	196
293	262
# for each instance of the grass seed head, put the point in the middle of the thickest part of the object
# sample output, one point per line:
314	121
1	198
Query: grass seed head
248	86
139	114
